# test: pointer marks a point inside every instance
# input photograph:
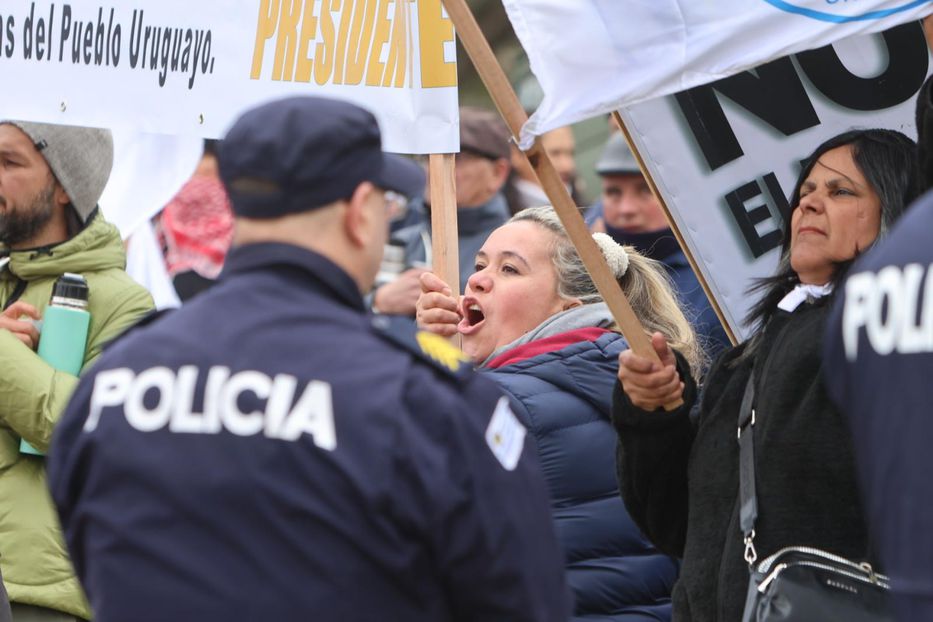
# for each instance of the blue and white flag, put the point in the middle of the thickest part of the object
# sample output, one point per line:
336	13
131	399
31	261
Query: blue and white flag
593	56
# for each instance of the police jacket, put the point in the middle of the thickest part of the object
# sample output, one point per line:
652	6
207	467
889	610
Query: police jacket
561	388
33	395
680	477
269	453
879	366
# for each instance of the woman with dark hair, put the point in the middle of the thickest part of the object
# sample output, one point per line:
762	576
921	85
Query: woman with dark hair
679	474
887	161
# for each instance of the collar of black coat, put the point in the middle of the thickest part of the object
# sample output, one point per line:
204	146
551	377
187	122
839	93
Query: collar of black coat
299	264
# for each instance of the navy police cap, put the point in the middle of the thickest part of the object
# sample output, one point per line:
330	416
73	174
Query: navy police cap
300	153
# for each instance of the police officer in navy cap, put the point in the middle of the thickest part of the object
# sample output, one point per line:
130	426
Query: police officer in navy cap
270	452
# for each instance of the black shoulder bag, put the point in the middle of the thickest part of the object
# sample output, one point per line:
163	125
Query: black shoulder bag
799	584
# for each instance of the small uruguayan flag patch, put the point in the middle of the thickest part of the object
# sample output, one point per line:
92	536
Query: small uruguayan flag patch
505	435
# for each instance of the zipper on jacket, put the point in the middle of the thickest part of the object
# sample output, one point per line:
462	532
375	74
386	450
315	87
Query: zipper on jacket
17	292
41	251
20	284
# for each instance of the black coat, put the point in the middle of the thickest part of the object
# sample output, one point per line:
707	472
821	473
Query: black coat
679	478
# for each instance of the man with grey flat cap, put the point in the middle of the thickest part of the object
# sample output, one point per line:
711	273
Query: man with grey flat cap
51	178
272	451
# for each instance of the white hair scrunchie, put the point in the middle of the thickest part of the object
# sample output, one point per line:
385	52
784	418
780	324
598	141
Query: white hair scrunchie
615	254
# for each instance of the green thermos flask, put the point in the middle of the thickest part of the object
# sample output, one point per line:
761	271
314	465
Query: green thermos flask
64	331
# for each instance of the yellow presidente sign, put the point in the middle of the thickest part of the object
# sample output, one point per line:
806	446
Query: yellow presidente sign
352	42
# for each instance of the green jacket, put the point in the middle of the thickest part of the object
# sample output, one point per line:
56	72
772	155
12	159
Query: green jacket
33	558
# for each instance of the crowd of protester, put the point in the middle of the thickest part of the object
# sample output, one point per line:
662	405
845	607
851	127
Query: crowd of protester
301	440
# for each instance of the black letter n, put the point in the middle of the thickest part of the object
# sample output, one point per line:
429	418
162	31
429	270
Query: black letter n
776	96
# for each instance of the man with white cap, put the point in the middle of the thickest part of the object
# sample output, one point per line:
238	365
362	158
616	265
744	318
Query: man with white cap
51	178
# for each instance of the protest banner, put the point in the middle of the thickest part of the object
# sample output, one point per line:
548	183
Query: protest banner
725	156
593	56
189	68
148	170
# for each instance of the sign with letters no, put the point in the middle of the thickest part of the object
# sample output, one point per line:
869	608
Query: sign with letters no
189	68
725	156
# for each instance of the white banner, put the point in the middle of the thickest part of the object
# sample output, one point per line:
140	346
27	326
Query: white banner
190	67
148	170
593	56
726	156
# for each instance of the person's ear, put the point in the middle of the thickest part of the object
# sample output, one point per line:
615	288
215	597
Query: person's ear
357	219
60	196
571	303
500	171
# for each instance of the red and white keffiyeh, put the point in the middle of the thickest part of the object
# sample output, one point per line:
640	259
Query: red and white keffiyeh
196	228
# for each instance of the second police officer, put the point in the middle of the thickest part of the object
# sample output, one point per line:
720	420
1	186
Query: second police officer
272	452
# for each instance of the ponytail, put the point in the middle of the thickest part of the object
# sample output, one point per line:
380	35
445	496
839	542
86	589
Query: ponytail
644	281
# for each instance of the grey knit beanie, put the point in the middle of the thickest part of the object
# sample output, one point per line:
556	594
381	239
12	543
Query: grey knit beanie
80	158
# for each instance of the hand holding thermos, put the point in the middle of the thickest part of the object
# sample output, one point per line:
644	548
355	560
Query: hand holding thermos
63	338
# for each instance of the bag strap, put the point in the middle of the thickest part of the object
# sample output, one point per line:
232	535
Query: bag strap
748	499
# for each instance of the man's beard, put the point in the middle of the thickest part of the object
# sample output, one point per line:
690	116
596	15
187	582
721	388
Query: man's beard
21	224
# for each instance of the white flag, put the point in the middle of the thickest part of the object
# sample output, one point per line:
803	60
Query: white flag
593	56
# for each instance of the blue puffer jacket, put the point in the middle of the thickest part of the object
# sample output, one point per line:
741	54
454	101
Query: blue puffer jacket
561	387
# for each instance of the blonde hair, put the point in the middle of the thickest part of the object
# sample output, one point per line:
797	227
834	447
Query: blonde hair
644	281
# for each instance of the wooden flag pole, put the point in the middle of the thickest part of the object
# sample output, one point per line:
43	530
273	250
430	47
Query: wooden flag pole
503	95
444	239
673	225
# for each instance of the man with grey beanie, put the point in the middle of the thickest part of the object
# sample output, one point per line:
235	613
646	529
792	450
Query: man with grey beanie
51	178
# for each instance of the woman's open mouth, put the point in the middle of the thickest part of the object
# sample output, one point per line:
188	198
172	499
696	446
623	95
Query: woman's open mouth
473	317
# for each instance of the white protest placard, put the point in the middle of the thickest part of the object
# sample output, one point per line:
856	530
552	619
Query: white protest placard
593	56
725	156
189	68
148	170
